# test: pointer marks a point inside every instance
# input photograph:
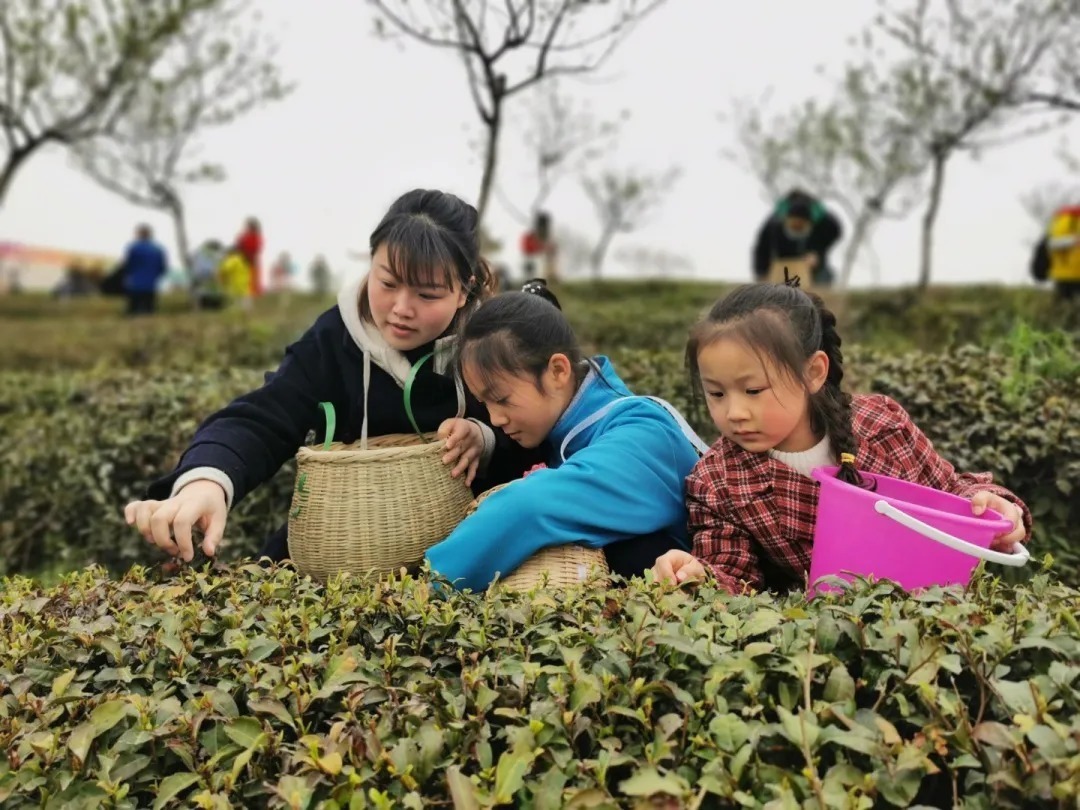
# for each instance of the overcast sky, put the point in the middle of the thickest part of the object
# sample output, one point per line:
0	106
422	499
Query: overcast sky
370	119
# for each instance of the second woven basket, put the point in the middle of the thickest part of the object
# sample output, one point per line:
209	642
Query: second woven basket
562	566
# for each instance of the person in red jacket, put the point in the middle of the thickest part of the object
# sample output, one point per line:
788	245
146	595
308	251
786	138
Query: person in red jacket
250	244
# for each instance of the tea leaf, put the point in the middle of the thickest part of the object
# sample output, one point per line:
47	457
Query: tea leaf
649	782
462	790
62	682
1017	696
172	786
510	775
247	732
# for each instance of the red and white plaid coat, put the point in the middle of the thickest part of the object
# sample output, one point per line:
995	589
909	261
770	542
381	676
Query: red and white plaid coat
752	517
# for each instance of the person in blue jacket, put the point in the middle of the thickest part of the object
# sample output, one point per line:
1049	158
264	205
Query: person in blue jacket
426	275
145	264
616	463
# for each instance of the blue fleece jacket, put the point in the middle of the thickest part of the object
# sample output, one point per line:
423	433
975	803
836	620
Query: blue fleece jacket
622	477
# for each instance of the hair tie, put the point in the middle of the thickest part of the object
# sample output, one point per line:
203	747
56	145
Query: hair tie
538	287
847	458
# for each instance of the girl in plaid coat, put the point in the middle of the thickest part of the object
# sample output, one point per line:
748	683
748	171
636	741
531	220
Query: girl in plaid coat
767	359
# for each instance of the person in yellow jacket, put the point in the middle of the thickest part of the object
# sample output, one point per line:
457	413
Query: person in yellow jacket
1057	256
234	276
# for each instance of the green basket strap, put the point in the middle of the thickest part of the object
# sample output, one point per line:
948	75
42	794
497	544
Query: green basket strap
331	418
408	391
331	423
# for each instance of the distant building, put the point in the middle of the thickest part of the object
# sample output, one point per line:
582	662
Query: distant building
43	268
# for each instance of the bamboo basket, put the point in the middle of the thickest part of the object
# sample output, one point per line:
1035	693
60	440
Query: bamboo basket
373	506
562	566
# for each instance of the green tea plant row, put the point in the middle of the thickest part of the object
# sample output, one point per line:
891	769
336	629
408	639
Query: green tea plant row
243	687
39	334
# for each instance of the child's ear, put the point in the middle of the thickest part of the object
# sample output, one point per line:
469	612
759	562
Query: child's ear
560	370
817	371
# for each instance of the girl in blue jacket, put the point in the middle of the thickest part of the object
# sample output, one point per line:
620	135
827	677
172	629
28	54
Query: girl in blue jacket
395	324
616	465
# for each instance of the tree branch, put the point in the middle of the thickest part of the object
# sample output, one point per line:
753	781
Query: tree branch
521	20
1054	101
622	27
216	69
415	33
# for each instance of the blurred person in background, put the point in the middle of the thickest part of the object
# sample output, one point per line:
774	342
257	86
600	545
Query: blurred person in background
282	272
234	276
798	234
321	277
205	262
1057	255
250	244
145	265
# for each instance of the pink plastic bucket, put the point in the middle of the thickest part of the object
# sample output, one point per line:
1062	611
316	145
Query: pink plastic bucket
904	532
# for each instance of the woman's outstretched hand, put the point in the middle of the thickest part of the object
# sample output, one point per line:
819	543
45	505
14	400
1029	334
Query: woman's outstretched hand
168	524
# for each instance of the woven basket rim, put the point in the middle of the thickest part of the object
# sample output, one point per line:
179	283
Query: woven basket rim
336	455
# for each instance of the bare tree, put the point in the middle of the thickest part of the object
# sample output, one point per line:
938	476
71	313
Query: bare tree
1053	83
843	152
545	38
575	251
563	135
623	202
219	67
1069	160
1041	202
1059	87
933	80
69	71
960	82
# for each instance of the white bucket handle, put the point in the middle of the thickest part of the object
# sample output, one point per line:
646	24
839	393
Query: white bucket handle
1016	559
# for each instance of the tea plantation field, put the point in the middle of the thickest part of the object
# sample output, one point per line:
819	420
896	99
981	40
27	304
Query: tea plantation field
231	685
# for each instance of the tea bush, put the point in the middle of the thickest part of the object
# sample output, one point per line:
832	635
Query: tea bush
76	447
233	685
255	688
985	413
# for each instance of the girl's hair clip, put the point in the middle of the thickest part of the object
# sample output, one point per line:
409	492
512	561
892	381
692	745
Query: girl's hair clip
538	286
535	285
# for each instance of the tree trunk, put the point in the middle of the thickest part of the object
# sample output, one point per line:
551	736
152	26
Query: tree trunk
176	211
854	246
14	161
930	216
491	154
600	251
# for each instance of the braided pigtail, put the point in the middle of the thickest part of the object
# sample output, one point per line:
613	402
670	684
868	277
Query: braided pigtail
831	406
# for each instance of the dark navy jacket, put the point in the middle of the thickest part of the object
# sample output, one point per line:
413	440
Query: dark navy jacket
259	431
